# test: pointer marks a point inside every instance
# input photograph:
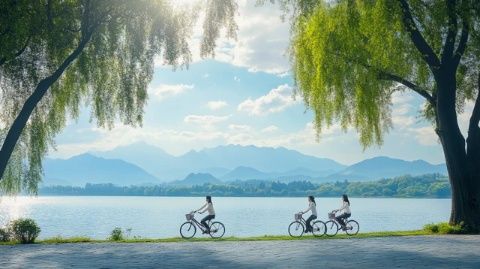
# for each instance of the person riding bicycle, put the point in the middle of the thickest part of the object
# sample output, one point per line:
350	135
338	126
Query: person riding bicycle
208	206
345	211
312	206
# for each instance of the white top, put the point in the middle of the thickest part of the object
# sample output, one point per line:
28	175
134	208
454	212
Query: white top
311	207
345	208
208	207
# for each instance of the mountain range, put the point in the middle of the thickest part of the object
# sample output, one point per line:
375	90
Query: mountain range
140	163
220	160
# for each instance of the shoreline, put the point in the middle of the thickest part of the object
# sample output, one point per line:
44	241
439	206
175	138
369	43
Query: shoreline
81	239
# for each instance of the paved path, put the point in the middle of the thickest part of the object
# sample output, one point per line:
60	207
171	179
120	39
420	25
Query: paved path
388	252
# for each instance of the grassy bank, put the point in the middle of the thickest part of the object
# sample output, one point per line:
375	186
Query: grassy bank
62	240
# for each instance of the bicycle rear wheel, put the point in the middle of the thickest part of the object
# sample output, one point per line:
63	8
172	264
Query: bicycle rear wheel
331	228
188	230
319	228
352	227
296	229
217	229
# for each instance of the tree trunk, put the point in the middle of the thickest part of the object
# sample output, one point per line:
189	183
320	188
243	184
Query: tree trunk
21	120
462	165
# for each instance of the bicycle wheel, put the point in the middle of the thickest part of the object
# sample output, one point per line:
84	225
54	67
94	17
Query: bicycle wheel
331	228
188	230
318	228
296	229
217	229
352	227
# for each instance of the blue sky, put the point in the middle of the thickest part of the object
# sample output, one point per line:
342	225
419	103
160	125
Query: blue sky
244	96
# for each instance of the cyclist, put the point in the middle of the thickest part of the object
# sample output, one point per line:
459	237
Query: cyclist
208	206
312	206
345	211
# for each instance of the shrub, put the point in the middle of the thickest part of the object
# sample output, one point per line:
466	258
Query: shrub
444	228
25	230
116	234
5	235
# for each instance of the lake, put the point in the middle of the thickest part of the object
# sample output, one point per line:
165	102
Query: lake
160	217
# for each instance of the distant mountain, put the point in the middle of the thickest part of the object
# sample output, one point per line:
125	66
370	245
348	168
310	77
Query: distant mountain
235	162
150	158
87	168
245	173
198	179
385	167
218	161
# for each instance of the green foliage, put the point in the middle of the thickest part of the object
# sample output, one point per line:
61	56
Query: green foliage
5	235
116	234
121	39
444	228
348	57
60	239
434	186
25	230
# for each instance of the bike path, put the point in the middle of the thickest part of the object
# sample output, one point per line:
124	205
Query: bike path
449	251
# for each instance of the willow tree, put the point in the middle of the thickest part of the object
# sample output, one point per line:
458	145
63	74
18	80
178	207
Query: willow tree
57	56
350	56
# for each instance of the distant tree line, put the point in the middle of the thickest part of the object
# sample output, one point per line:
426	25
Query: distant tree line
425	186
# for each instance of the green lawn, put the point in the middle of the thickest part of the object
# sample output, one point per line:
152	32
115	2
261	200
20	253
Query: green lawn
60	240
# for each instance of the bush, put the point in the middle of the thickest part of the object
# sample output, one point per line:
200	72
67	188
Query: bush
5	235
116	234
444	228
25	230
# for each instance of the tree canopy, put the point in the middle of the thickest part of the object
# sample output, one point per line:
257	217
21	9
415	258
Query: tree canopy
350	56
59	56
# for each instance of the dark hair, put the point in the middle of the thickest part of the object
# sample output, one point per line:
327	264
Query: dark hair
209	199
345	199
312	199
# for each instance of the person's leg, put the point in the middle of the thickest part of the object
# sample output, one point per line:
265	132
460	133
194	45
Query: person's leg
204	221
340	219
309	225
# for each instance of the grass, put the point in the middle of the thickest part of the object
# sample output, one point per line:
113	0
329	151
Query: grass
429	229
62	240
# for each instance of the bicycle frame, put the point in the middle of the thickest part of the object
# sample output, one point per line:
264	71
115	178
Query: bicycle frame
339	226
199	225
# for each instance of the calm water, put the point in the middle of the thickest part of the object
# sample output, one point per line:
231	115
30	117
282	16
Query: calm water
157	217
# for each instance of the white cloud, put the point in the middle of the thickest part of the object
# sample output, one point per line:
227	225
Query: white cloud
239	128
216	105
426	136
402	112
167	90
274	101
262	39
270	129
205	120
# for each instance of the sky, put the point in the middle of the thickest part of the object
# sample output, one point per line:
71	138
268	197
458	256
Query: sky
245	96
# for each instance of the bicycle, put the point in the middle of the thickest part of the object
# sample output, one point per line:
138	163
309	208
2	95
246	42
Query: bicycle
332	226
189	228
297	227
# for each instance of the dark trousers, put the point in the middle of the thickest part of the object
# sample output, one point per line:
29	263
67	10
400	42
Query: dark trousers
308	221
204	221
341	218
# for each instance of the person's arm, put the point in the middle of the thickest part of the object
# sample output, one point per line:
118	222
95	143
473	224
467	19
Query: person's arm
342	208
308	209
204	206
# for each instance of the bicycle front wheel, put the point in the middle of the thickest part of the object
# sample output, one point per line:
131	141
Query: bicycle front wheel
188	230
352	227
319	228
217	229
296	229
331	228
